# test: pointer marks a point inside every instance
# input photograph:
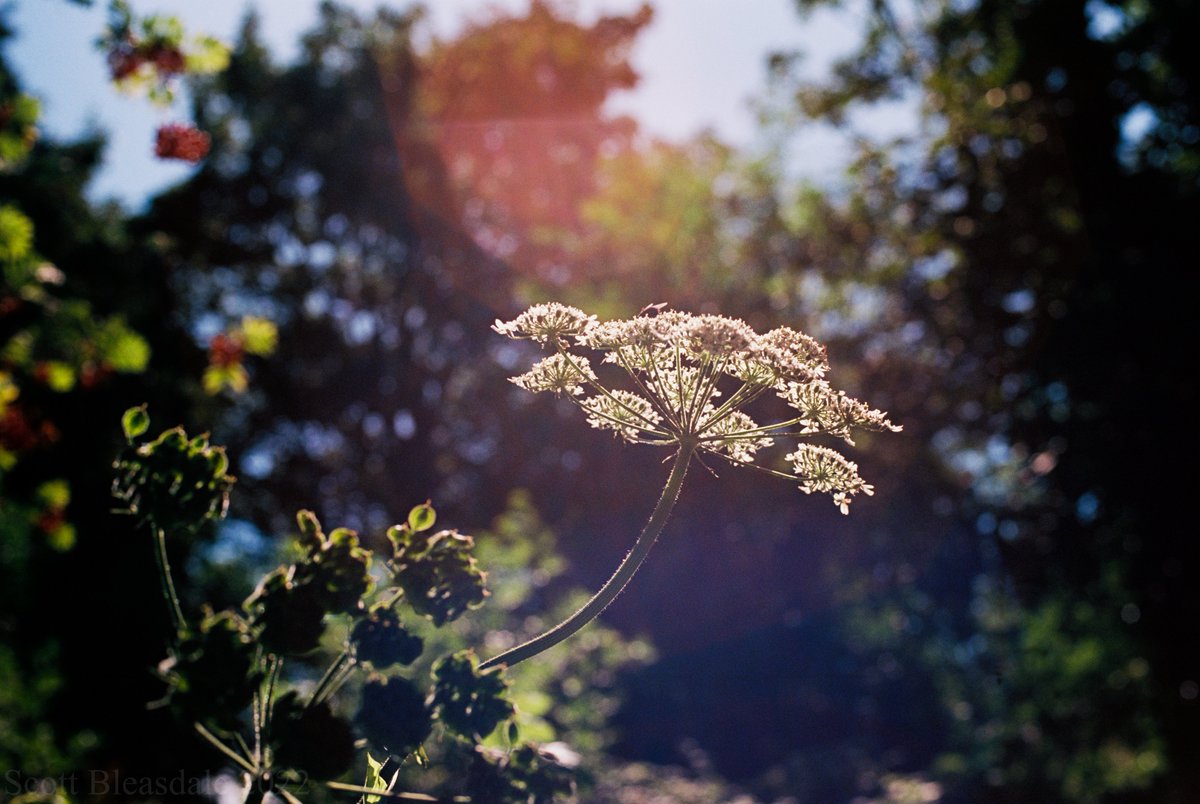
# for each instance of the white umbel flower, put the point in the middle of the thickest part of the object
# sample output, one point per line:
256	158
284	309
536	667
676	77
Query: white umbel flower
690	377
546	323
737	436
825	470
628	415
557	373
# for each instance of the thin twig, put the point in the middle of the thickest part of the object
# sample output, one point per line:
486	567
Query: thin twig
168	584
357	788
224	749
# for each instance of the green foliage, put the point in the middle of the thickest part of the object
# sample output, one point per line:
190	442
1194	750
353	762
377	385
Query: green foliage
311	737
1062	661
235	662
174	482
54	340
18	119
524	774
469	702
572	692
16	234
439	576
135	422
393	716
214	672
27	738
71	334
382	641
147	54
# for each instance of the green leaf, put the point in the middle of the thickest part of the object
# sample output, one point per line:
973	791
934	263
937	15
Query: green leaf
19	133
422	517
398	536
122	348
209	56
9	391
19	350
260	336
59	376
16	233
310	529
135	422
233	376
393	715
439	576
55	493
470	702
375	780
61	538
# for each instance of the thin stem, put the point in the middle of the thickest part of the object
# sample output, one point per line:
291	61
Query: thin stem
274	663
168	585
242	745
707	378
748	435
766	429
659	390
333	678
663	409
684	423
357	788
619	422
248	787
743	396
649	427
256	711
755	467
224	749
610	590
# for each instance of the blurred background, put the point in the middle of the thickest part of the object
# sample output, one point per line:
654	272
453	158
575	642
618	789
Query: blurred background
986	209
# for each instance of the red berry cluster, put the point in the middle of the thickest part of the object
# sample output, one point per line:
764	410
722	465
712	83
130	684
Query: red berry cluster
22	432
181	141
126	57
225	350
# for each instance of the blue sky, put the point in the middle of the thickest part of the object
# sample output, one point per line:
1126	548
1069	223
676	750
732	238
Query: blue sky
701	62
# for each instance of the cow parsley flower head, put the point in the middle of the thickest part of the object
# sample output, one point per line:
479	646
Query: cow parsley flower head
688	379
827	470
558	373
546	323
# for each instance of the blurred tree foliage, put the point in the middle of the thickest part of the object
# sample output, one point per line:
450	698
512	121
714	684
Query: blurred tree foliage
1022	259
513	107
331	205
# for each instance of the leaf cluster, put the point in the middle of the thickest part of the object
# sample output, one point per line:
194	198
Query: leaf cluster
174	482
242	678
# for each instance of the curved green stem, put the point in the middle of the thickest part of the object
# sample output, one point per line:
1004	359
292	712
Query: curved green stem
610	590
168	585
